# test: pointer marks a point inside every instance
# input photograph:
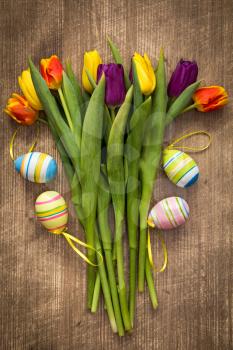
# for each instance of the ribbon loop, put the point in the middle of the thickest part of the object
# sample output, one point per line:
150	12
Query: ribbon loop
70	239
12	141
150	256
191	148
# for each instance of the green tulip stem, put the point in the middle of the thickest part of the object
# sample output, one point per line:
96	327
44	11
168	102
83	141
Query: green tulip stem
64	105
181	103
133	146
170	101
189	108
101	281
104	199
90	161
112	110
116	176
96	294
42	120
151	154
105	283
150	283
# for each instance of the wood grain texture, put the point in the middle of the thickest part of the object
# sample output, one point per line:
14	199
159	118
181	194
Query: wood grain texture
42	294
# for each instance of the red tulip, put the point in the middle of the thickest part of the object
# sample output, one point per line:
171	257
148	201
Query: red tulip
51	70
210	98
19	109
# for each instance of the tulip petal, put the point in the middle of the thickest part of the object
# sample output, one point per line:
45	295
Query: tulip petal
51	70
210	98
115	85
27	79
29	91
92	60
20	110
145	72
184	75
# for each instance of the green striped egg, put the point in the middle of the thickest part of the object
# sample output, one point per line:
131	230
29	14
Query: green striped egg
180	168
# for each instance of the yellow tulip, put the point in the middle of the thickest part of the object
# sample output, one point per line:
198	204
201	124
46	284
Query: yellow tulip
27	87
92	60
145	72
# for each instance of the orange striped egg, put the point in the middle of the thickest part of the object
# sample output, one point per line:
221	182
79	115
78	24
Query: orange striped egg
36	167
51	210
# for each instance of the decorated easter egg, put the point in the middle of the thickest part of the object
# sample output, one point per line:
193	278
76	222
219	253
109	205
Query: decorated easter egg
36	167
180	168
51	210
169	213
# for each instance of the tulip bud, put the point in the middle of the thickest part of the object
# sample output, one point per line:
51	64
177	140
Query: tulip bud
184	75
27	87
145	73
51	70
210	98
92	60
115	85
19	109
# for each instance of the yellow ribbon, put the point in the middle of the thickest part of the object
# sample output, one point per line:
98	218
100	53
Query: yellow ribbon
150	256
12	141
70	239
191	149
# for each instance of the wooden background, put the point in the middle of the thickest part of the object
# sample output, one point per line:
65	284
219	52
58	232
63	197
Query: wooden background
42	294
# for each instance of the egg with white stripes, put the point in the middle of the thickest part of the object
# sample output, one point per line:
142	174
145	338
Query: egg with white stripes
180	168
36	167
169	213
52	212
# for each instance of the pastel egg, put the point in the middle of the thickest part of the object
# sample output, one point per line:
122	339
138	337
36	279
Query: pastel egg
51	210
180	168
36	167
169	213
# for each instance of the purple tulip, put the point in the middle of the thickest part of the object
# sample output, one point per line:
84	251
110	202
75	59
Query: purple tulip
184	75
115	85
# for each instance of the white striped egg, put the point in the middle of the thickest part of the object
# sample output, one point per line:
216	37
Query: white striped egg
36	167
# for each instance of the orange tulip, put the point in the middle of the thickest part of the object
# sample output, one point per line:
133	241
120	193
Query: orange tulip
19	109
51	70
210	98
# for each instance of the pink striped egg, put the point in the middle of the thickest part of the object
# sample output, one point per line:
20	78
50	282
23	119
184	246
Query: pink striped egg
169	213
51	210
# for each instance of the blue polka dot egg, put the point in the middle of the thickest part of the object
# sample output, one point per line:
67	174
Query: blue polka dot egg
36	167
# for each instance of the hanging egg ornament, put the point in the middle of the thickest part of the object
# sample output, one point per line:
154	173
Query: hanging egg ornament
169	213
51	210
180	168
36	167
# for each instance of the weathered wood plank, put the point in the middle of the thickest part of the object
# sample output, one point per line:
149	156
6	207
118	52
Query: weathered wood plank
42	294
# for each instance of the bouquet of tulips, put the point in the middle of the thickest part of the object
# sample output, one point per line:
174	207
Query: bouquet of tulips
109	134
